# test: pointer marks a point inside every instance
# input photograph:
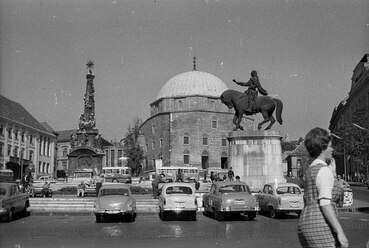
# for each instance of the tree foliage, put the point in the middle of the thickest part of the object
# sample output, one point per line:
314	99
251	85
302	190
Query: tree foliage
354	140
131	147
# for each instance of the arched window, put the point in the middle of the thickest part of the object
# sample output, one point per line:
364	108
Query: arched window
205	160
224	140
205	139
186	139
186	157
224	160
212	105
180	105
214	122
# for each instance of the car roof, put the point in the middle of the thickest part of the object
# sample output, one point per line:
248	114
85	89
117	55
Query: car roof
166	185
115	186
282	184
225	183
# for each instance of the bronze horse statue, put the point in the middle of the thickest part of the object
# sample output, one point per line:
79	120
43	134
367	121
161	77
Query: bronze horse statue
264	105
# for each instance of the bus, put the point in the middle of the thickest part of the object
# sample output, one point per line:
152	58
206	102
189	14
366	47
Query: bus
117	174
179	173
85	175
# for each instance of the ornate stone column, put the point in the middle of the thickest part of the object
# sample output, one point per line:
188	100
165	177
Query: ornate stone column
256	157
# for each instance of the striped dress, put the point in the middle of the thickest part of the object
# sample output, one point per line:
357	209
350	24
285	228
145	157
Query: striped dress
313	230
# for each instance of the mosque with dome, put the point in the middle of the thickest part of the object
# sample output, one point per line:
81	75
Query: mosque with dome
188	124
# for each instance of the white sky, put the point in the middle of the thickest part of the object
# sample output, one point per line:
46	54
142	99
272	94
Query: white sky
304	51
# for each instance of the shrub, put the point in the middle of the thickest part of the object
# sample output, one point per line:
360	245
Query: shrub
140	190
67	191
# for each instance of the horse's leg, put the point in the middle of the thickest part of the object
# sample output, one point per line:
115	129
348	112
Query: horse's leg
272	120
266	118
237	120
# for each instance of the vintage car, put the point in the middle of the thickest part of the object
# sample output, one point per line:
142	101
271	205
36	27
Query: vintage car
40	189
115	199
43	179
279	198
177	198
12	201
230	197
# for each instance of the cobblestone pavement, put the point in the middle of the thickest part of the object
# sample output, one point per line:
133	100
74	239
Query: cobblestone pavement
149	231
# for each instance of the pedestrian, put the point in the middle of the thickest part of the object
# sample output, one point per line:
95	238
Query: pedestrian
230	174
155	185
238	179
318	225
212	176
81	188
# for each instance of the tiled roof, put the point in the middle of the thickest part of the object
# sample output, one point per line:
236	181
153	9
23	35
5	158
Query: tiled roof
299	151
15	112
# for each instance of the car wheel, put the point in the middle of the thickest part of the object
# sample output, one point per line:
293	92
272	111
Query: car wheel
251	216
24	211
133	217
273	213
218	215
115	180
193	216
9	217
98	218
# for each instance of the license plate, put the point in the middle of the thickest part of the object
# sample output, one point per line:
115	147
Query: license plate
180	205
294	204
239	202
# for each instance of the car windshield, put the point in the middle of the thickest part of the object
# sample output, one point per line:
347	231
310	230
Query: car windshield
233	189
104	192
179	190
288	190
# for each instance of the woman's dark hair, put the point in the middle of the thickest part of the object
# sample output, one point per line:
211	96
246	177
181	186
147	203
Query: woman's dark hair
316	141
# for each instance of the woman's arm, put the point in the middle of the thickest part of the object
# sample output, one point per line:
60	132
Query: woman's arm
332	221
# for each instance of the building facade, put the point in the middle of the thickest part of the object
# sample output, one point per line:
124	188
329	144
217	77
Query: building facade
26	146
356	104
189	125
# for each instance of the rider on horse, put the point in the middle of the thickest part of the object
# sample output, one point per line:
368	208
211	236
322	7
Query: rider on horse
251	92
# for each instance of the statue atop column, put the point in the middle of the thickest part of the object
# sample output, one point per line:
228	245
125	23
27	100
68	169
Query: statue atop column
87	119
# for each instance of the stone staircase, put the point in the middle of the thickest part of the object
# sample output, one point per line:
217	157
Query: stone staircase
144	203
73	204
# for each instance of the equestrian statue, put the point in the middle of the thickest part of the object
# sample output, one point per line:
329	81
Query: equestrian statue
250	103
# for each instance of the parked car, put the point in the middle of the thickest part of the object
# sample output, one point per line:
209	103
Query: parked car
115	199
40	189
230	197
43	179
280	198
177	198
12	201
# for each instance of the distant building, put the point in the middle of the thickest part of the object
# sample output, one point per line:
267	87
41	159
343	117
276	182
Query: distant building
357	103
26	145
189	125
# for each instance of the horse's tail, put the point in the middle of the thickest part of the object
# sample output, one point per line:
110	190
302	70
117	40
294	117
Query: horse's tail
279	110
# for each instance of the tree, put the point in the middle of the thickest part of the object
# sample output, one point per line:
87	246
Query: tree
131	147
353	139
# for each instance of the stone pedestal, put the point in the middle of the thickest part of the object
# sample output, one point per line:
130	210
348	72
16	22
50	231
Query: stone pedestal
256	157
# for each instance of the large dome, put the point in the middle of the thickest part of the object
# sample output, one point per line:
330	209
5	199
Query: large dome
192	83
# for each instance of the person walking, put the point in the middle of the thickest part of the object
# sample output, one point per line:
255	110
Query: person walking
155	185
318	225
230	174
